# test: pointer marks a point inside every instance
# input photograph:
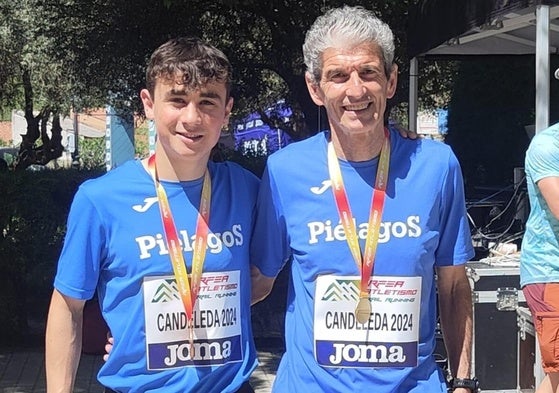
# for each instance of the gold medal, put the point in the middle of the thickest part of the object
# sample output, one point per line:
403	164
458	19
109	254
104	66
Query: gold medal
363	310
366	262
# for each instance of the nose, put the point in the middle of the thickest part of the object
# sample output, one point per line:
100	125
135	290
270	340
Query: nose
190	115
355	86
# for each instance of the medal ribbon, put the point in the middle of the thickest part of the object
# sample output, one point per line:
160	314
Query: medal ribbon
188	290
366	263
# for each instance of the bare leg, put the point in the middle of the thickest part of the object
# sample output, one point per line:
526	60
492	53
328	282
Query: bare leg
550	384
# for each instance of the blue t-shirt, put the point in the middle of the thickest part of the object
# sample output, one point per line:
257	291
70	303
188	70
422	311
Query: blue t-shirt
539	257
115	245
423	226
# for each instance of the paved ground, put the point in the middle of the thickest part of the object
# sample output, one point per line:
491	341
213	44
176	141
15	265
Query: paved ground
22	370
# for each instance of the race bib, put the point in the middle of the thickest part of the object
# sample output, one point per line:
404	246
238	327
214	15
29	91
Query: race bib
216	319
390	336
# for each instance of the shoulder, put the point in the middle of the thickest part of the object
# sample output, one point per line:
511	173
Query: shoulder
298	161
438	150
544	145
430	150
546	140
543	152
295	152
122	176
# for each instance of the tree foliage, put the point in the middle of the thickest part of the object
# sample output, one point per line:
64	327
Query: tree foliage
264	41
37	74
59	55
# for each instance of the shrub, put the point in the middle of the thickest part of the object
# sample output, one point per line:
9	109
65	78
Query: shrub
33	211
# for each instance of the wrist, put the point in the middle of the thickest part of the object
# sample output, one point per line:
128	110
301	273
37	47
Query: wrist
471	384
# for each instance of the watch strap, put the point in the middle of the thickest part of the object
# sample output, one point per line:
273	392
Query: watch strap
467	383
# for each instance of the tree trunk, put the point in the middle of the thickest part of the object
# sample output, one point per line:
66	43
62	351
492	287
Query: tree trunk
37	127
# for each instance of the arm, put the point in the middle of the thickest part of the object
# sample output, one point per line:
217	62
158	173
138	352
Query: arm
63	342
455	301
261	285
549	187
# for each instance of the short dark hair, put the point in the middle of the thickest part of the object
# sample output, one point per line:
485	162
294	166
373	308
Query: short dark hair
196	61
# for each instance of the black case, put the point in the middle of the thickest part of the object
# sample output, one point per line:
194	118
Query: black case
530	372
495	297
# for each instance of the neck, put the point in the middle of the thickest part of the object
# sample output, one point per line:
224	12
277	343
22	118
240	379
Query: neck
178	169
361	147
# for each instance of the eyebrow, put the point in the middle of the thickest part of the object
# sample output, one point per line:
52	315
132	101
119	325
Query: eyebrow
184	92
369	65
336	70
210	94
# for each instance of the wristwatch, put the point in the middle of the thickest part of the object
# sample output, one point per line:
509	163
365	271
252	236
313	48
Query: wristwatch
466	383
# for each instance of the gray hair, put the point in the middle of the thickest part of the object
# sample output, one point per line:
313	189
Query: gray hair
340	25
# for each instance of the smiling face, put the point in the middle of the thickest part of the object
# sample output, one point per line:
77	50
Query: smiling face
353	88
188	122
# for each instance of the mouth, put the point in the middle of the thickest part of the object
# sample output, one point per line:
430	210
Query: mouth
190	136
357	107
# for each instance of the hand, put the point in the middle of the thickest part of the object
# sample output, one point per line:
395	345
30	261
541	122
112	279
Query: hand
261	285
405	133
108	346
462	390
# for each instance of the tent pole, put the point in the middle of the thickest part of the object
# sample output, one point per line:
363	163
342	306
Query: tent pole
542	67
412	106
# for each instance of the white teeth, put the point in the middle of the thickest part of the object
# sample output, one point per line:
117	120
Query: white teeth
356	107
191	136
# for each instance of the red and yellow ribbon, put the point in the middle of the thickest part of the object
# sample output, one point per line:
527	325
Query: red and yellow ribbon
188	290
364	263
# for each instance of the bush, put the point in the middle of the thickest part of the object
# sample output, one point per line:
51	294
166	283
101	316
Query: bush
33	211
34	206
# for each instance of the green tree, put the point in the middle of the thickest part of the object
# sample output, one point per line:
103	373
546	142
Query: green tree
264	41
92	153
77	54
37	73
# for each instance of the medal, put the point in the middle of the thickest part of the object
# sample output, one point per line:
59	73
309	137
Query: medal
365	263
188	289
363	309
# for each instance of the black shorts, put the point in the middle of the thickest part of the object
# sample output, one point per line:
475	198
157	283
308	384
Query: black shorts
245	388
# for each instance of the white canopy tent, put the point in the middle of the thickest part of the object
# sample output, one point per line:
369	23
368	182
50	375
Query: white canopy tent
454	28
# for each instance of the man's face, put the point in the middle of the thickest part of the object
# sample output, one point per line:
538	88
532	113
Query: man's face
188	123
354	88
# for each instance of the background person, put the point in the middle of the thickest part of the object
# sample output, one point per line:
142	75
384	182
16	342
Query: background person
316	209
128	230
539	257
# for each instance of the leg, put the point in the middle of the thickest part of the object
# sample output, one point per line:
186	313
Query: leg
550	384
543	301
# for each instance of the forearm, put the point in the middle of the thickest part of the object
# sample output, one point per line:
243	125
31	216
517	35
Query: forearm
63	343
456	319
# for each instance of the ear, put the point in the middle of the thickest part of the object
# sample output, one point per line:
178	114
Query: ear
148	103
392	82
228	108
314	90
